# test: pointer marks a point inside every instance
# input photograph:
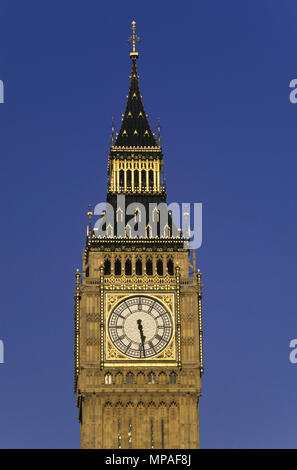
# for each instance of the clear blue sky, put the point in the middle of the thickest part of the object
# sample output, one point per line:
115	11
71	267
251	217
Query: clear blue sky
217	74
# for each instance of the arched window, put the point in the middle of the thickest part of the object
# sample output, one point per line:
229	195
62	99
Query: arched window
151	378
87	272
172	378
140	378
121	178
128	267
108	378
151	179
162	378
129	378
136	178
149	267
129	178
170	267
160	267
119	378
143	179
118	267
138	267
107	267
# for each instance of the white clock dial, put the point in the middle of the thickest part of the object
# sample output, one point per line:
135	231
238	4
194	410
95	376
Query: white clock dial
140	327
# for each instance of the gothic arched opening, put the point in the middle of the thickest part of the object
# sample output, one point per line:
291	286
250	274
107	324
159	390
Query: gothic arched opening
151	179
170	267
149	267
107	267
151	378
108	378
128	267
138	267
121	178
129	378
160	267
172	378
129	178
118	267
136	178
143	179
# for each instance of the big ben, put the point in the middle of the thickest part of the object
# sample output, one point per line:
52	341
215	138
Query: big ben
138	311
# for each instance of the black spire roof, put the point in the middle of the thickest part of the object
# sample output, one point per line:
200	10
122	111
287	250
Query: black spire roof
135	129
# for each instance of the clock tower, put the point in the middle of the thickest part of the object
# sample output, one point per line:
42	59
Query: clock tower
138	318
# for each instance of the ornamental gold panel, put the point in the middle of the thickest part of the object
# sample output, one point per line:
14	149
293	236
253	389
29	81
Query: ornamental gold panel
168	356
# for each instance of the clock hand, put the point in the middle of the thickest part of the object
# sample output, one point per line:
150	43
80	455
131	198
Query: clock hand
140	327
142	337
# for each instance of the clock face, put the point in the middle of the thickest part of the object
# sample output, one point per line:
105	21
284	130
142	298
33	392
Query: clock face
140	327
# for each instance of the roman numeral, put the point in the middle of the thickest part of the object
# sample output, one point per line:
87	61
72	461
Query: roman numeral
151	308
128	307
152	346
161	315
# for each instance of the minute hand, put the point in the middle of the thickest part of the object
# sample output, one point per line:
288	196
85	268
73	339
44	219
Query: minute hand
142	337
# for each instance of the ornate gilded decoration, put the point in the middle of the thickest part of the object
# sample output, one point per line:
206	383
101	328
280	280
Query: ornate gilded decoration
200	285
77	298
101	289
111	352
134	38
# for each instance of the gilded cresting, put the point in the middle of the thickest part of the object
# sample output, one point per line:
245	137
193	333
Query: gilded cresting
138	311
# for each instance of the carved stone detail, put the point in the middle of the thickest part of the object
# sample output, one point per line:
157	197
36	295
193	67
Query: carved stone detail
92	341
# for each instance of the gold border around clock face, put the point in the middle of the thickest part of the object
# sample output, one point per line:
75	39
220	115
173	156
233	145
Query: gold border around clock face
140	326
113	355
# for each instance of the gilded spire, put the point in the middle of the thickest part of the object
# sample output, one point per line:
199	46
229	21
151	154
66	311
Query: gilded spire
133	38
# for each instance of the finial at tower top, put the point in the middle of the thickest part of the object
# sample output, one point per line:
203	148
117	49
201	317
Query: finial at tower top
133	38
